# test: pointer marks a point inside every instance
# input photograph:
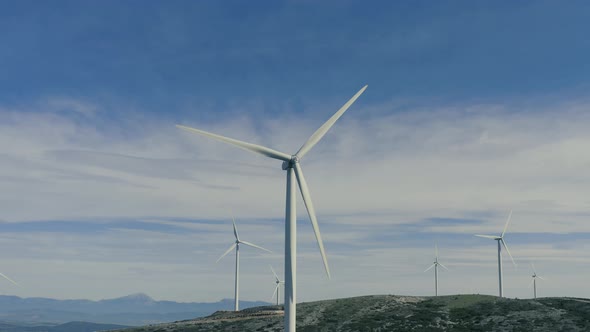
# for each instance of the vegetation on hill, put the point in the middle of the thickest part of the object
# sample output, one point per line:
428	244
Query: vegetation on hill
402	313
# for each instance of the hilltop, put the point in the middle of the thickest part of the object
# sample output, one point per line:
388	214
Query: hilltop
401	313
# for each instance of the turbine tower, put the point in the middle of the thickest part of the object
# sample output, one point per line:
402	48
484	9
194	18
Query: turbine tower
278	283
501	243
294	173
435	266
534	281
237	246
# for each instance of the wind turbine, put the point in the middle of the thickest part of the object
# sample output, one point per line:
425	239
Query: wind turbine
435	266
278	282
237	246
293	168
534	281
501	243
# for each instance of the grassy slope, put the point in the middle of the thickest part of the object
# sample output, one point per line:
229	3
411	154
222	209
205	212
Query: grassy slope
401	313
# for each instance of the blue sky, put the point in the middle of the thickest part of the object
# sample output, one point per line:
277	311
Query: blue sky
473	109
160	56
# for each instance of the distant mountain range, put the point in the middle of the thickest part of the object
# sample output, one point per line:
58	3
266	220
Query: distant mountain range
67	327
132	310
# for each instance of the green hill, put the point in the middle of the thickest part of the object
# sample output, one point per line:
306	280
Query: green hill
401	313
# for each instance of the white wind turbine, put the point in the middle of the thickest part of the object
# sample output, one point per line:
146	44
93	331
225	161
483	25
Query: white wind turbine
237	246
501	243
278	283
534	281
293	168
435	266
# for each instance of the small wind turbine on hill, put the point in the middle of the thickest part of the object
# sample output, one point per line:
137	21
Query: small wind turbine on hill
435	266
5	277
501	243
236	245
278	283
291	164
534	281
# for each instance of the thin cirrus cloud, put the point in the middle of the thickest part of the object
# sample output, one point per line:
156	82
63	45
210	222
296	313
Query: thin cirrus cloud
379	181
474	147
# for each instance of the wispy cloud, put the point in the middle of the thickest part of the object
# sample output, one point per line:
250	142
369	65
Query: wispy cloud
387	183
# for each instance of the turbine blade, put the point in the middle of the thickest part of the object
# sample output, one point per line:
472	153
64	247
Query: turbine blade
227	252
317	136
508	251
431	266
244	145
533	266
541	278
507	222
255	246
275	292
436	250
235	228
274	273
487	236
443	266
311	212
5	277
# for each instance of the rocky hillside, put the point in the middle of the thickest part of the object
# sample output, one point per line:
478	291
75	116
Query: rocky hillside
402	313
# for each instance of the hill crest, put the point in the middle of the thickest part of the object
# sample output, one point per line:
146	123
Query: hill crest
402	313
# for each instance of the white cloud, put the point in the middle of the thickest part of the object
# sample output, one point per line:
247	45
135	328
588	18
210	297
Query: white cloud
378	168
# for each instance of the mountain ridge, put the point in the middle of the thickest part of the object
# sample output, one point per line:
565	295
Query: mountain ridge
131	310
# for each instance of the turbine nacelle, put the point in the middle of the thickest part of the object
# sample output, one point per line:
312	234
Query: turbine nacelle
534	276
436	262
290	163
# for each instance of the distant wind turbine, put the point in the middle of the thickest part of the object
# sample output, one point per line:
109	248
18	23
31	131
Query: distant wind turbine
501	243
278	283
293	168
534	281
237	246
435	266
5	277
